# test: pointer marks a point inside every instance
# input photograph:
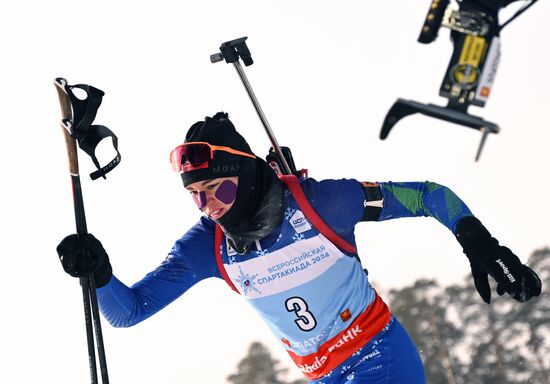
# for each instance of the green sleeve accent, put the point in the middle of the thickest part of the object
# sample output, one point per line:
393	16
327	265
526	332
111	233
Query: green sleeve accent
423	199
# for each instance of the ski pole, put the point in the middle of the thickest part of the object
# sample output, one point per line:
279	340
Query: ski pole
91	313
231	51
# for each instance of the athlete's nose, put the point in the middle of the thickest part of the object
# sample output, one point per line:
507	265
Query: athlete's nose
200	199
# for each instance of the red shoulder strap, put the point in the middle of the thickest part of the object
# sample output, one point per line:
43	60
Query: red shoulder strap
293	184
218	237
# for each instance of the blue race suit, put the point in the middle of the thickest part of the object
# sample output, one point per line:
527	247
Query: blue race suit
315	298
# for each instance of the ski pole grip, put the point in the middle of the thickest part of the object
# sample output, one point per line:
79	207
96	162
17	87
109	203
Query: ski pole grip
66	124
70	142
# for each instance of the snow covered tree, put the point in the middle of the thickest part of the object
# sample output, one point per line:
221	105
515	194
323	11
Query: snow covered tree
503	342
531	321
422	309
463	340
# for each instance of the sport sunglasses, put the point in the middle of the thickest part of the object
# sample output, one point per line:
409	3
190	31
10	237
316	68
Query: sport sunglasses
196	154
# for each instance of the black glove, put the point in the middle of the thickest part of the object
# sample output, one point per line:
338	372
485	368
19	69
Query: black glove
85	256
487	257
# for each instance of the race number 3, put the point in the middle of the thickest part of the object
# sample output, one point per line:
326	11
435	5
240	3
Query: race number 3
305	321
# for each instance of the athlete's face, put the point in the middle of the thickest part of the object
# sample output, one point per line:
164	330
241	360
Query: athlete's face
216	196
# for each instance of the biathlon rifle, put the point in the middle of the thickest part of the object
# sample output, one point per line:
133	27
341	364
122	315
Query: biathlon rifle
279	158
475	34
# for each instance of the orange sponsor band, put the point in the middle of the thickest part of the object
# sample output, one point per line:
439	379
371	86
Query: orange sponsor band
339	348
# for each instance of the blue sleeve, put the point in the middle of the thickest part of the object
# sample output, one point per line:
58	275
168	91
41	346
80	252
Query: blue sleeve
338	202
414	199
191	260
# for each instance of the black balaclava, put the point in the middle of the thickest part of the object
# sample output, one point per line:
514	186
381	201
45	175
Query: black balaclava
258	206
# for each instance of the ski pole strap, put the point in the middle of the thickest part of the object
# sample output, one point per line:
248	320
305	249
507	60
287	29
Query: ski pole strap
87	135
88	144
293	184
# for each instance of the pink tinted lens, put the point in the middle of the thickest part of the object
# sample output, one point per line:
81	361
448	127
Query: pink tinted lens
200	200
187	157
226	192
175	158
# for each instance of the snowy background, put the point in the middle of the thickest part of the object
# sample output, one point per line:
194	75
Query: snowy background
325	73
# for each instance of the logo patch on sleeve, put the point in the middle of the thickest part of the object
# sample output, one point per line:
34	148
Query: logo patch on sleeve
299	222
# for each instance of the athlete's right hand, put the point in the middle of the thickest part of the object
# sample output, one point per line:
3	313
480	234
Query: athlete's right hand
84	256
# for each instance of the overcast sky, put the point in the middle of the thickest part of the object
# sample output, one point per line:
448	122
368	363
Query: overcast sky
325	72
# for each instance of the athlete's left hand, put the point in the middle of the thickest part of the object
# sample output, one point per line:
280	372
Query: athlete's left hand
487	257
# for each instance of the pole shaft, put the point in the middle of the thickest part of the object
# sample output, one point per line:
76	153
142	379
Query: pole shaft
91	311
89	298
89	329
98	332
